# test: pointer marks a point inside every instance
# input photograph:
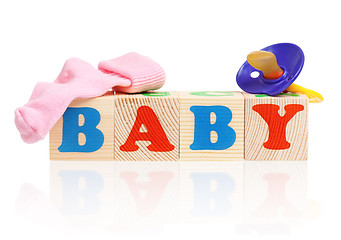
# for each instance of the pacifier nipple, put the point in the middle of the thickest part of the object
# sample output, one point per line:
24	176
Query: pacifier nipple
265	62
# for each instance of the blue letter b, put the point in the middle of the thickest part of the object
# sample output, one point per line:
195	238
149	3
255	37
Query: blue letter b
203	128
71	130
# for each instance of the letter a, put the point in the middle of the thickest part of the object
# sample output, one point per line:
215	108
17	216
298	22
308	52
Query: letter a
155	133
277	124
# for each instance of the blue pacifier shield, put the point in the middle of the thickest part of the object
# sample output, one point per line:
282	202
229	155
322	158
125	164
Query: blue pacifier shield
289	57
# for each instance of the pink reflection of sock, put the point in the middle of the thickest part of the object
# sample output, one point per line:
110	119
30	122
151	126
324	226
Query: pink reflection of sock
78	79
34	204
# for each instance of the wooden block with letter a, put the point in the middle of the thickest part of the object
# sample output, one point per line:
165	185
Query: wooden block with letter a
86	130
146	126
211	126
276	128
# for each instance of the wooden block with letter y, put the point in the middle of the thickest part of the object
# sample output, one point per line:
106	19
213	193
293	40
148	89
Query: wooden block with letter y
146	126
86	130
211	126
276	128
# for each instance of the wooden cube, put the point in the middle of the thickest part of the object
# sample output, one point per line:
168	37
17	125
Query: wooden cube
86	131
147	126
211	126
276	127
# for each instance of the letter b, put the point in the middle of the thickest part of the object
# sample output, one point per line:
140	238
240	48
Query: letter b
71	130
203	128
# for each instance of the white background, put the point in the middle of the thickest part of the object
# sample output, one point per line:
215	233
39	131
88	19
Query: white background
201	45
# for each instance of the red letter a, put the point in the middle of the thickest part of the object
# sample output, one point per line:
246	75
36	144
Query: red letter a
277	124
155	133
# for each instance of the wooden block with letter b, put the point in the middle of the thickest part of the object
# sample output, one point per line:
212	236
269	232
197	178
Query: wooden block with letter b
276	128
146	126
211	126
86	130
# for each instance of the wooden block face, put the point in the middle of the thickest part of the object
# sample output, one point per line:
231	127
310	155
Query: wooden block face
276	127
211	126
147	126
86	131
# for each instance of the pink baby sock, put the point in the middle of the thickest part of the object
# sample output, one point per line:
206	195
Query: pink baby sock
144	75
78	79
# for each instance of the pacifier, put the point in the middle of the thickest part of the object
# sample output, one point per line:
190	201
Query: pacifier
273	70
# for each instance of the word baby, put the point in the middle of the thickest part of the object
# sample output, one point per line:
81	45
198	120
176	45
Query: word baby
182	126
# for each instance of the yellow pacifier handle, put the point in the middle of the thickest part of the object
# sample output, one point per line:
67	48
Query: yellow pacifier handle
314	97
267	63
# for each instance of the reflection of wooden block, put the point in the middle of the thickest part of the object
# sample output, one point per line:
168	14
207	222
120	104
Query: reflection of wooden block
94	115
211	192
275	192
146	192
276	127
146	126
207	129
83	192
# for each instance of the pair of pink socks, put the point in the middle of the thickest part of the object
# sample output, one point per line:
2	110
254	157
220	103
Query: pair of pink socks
129	73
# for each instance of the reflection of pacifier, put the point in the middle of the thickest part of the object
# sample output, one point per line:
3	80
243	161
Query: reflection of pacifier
261	74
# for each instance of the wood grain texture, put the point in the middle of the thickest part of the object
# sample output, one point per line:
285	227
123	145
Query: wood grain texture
235	102
257	130
166	109
104	105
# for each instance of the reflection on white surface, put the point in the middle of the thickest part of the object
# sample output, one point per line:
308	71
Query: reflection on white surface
274	197
277	190
211	192
257	197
